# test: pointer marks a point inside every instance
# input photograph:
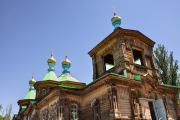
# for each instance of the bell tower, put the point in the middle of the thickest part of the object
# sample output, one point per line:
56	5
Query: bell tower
125	52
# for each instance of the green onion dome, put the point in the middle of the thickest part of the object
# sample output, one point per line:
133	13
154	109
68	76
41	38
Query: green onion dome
66	79
66	75
51	75
31	94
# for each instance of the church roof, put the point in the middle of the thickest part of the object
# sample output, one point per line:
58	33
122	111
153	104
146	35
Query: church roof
122	31
31	94
67	77
51	75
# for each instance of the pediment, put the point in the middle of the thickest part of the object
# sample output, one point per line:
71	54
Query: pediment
125	32
139	35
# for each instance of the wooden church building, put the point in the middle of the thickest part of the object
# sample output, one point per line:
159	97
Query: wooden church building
126	85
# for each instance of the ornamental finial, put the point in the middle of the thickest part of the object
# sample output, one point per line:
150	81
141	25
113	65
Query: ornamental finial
51	63
32	81
116	20
52	59
66	64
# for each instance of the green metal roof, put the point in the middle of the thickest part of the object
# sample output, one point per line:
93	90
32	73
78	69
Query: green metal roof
166	85
67	77
51	75
31	94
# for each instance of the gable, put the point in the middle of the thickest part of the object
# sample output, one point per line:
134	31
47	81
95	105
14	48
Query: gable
125	32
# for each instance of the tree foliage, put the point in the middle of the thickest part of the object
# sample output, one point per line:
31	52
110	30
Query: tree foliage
178	82
5	114
167	64
173	70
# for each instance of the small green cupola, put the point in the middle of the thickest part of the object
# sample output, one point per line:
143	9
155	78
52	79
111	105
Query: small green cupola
116	21
31	94
66	79
51	75
66	75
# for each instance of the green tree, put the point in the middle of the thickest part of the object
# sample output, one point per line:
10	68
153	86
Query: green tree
167	64
178	82
162	60
5	114
1	112
173	70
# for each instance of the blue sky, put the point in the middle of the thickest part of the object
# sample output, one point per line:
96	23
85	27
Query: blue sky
30	29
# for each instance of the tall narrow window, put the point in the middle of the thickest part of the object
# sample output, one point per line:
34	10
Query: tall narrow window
96	110
74	112
149	61
138	59
108	62
60	112
115	102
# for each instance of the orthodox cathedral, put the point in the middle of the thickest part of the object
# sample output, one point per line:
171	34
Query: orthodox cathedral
126	85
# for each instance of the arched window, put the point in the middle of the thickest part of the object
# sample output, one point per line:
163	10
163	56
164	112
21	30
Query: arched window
108	62
96	110
74	112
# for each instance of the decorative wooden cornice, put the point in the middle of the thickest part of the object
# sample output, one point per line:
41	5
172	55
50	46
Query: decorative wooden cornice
111	78
50	83
23	102
126	32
